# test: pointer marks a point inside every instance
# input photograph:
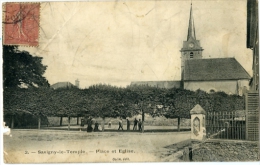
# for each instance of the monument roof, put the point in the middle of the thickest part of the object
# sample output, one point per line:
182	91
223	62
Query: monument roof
197	110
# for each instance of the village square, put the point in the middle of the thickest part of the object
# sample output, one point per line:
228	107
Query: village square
174	107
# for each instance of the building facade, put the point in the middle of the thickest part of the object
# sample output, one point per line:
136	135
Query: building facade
215	74
210	75
252	96
253	41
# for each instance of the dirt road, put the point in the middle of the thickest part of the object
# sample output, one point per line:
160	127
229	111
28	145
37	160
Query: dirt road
53	146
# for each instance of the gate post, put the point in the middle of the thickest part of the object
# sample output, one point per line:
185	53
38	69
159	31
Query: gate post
198	124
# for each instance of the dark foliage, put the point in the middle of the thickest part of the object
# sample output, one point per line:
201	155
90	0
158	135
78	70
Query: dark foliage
108	101
21	68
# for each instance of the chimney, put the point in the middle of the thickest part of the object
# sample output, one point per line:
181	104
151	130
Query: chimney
77	83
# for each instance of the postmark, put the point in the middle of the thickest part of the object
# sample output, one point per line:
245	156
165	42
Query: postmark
21	24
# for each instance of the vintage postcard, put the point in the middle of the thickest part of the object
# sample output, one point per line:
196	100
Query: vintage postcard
130	81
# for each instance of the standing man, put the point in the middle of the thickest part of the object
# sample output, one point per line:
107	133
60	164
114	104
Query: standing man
128	124
120	124
140	125
135	124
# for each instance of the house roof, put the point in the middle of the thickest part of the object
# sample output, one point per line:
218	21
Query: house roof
159	84
214	69
61	85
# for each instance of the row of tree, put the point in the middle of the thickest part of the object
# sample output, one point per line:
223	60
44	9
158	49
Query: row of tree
20	69
109	101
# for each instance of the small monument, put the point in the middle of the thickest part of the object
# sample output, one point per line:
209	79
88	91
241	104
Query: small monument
198	125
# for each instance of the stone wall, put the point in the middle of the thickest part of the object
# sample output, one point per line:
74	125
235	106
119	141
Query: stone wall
225	150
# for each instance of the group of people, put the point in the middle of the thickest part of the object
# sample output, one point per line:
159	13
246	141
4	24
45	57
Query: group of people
136	123
89	122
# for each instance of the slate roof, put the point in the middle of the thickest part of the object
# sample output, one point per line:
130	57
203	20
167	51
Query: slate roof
214	69
62	85
159	84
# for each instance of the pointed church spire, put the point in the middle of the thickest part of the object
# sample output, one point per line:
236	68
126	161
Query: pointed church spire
191	29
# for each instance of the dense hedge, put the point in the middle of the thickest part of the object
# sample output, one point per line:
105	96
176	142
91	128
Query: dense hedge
108	101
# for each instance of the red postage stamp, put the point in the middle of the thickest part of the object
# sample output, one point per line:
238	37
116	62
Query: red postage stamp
21	24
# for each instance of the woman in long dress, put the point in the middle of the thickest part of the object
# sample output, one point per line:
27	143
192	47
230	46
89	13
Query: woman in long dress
89	122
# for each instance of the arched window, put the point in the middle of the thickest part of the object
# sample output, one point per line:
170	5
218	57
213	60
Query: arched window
191	54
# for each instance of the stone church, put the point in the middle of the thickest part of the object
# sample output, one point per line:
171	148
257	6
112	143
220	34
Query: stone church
210	75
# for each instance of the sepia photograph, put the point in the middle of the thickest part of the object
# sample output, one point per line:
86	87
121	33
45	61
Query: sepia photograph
130	81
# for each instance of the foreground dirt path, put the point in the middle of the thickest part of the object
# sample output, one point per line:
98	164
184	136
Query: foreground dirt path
33	146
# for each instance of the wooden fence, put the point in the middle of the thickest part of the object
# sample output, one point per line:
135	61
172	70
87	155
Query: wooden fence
226	125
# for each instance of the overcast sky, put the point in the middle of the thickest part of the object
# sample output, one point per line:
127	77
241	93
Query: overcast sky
119	42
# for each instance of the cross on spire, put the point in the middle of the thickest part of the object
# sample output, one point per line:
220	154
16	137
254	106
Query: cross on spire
191	29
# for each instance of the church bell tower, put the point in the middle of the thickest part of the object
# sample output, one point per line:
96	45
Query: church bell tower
191	48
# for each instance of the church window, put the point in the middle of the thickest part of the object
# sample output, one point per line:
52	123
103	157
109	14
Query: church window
191	54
